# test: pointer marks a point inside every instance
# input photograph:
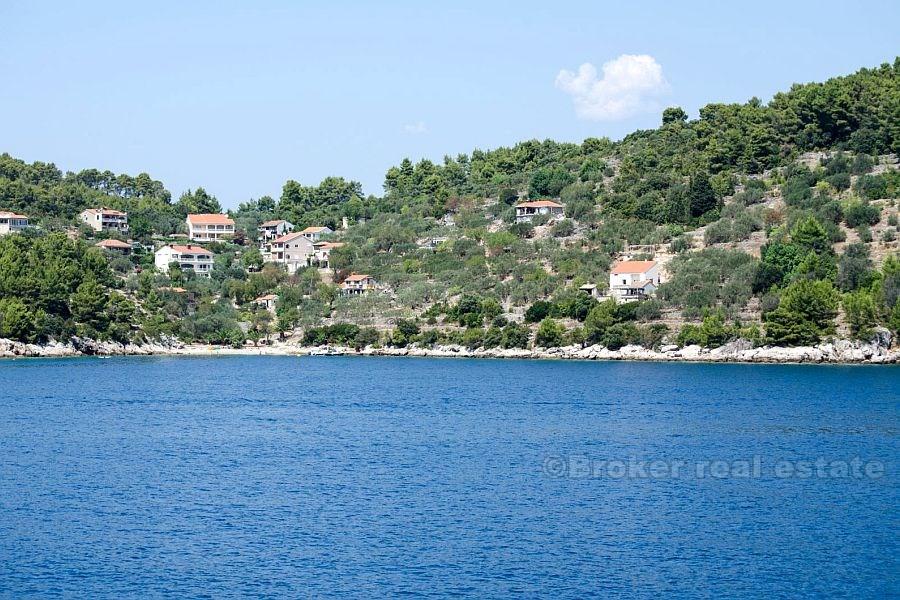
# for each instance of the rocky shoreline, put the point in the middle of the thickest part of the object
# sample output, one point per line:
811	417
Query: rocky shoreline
738	351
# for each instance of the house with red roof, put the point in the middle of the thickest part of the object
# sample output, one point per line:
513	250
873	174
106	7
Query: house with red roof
526	211
633	279
115	246
314	234
209	227
270	230
11	222
293	250
357	283
105	219
189	257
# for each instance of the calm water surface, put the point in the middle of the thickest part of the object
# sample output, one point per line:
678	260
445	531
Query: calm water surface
378	476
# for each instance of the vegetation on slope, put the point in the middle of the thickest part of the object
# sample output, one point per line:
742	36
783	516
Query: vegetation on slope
767	239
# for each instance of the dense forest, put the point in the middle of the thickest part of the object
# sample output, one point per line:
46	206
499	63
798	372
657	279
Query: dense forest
777	223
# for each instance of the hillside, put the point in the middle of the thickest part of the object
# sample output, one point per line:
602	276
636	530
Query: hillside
773	222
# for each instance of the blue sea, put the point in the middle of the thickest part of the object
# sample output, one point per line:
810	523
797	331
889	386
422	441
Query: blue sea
374	477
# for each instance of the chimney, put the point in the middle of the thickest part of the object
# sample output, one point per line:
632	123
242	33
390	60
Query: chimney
345	223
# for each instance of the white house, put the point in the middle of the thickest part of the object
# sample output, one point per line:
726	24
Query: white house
322	255
209	227
100	219
267	302
357	283
527	211
633	279
189	258
272	229
314	234
11	222
293	250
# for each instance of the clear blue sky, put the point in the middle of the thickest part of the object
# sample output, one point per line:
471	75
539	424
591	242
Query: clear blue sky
239	97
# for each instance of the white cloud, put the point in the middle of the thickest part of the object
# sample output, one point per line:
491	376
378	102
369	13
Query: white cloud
417	128
630	85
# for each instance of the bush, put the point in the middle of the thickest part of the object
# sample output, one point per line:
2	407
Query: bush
538	311
805	313
620	334
473	338
550	334
493	337
839	181
652	336
862	314
861	213
854	268
563	228
515	336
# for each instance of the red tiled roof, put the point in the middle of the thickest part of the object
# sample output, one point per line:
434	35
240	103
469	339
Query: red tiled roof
190	249
210	219
314	230
357	277
287	238
11	215
273	223
107	211
113	244
632	266
328	245
540	204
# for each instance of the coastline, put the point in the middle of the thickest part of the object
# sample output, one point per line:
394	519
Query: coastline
738	351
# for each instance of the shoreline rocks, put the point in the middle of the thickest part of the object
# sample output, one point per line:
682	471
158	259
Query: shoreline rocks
737	351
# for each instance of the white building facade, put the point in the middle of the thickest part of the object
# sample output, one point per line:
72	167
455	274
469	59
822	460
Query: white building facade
209	227
11	222
527	211
357	283
189	258
634	279
105	219
314	234
271	230
294	250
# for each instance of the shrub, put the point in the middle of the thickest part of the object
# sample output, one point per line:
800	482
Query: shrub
493	337
563	228
805	313
538	311
861	213
473	338
515	336
550	334
862	314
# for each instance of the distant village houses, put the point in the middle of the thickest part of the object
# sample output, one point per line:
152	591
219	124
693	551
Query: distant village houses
590	289
270	230
189	257
266	302
322	254
527	211
294	251
357	283
633	279
314	234
119	246
105	219
11	222
209	227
